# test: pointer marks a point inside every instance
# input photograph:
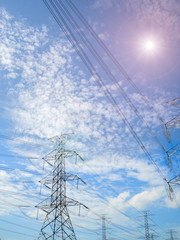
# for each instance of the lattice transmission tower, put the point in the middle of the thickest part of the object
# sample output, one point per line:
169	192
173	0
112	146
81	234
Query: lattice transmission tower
57	224
146	226
153	236
104	228
174	152
171	235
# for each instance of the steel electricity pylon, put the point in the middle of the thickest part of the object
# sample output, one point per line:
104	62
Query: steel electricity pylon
153	236
104	228
171	235
146	226
57	223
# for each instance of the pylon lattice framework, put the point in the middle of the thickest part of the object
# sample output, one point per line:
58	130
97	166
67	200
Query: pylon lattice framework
147	235
146	225
172	235
104	228
57	223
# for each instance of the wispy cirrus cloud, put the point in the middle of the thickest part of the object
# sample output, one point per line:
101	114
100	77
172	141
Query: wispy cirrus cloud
103	4
50	90
161	15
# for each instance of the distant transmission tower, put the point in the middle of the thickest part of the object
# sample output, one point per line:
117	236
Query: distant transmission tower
104	228
171	235
146	225
57	224
153	236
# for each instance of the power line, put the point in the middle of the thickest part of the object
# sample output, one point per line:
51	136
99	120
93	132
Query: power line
109	54
115	208
37	168
18	194
20	140
24	217
18	225
106	201
57	15
119	196
34	195
124	229
118	226
5	168
23	234
16	156
172	235
99	59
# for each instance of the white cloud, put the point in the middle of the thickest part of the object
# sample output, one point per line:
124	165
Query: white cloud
120	201
175	202
144	199
104	36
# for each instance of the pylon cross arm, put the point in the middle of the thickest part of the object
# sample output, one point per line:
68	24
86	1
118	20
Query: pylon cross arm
72	202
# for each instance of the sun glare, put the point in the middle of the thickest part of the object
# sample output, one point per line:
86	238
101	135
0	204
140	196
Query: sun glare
149	46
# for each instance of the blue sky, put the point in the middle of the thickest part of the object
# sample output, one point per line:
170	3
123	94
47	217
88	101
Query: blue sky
46	91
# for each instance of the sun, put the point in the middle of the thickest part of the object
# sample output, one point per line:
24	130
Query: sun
149	46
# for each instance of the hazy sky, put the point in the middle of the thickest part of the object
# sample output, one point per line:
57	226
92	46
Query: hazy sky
46	90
